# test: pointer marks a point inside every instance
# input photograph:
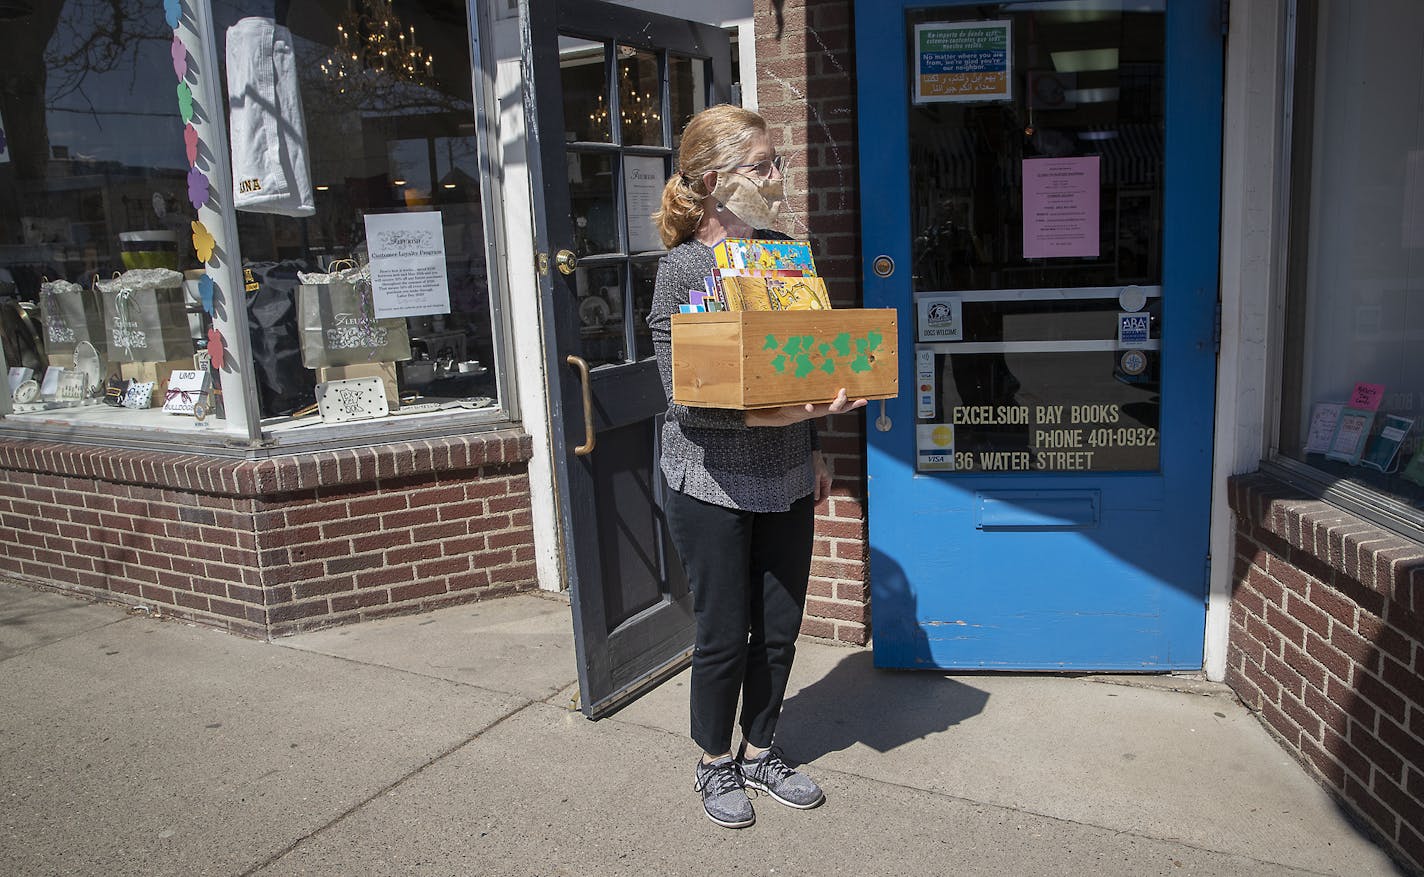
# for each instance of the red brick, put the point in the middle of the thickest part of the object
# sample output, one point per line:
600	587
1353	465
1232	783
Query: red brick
417	590
321	587
1281	723
1382	757
471	580
296	611
840	611
378	505
1332	603
1371	807
1318	758
1287	627
1349	757
1269	688
1386	638
1386	699
1309	669
818	627
1409	747
519	573
1248	600
1329	713
443	567
1411	841
1309	722
359	600
835	570
1359	649
1301	610
384	577
1334	660
1289	680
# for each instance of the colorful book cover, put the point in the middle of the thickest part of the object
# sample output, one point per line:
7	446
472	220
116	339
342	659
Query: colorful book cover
758	255
1351	432
1385	448
746	292
1323	418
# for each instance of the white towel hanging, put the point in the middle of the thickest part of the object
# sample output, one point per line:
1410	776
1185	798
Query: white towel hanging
270	167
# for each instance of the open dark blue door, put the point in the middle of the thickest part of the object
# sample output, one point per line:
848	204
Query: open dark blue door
1040	187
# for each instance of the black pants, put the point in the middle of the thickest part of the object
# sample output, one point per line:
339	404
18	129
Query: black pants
748	572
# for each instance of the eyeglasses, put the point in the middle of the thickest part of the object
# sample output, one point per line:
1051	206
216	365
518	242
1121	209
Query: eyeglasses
764	168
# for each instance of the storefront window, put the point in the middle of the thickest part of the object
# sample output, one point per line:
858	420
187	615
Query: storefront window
364	237
1353	387
96	213
362	226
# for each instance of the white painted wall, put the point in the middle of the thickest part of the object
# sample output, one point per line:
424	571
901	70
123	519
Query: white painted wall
521	287
1251	228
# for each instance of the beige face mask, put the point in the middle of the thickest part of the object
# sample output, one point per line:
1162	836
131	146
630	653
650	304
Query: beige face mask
756	201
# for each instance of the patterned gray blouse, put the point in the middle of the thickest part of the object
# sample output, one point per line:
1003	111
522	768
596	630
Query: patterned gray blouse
710	453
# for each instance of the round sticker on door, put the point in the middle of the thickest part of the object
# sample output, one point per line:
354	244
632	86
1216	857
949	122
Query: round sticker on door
883	266
1133	362
1132	298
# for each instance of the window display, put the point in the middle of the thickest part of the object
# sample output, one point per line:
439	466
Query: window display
344	120
1354	362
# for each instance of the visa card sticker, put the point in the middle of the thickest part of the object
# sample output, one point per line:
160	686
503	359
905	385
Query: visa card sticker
924	384
934	447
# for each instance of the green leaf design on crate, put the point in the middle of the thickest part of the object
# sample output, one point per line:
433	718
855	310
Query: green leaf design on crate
807	354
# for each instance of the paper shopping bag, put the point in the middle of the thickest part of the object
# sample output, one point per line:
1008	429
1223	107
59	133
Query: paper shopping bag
147	316
336	313
70	314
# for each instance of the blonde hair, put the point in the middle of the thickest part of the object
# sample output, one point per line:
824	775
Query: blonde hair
717	139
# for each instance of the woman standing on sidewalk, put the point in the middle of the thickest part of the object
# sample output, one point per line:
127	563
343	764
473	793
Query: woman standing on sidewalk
741	508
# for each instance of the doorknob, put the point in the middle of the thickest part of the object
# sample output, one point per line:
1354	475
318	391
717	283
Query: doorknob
579	363
566	261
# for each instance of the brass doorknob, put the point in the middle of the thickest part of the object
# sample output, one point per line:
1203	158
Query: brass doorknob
566	261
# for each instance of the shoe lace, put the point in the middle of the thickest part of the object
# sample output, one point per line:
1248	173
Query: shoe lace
719	779
771	767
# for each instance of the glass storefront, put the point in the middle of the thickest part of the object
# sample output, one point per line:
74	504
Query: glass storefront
1036	205
1352	412
345	275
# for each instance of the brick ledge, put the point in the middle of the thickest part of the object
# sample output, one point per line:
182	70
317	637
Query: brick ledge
1380	560
272	475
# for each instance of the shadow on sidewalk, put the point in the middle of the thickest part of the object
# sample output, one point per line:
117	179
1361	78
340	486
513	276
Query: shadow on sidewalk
856	703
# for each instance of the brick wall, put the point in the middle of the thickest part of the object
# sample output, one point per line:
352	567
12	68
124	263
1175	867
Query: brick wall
806	90
1327	643
270	547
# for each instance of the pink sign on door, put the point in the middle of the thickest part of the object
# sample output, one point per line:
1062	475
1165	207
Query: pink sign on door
1060	207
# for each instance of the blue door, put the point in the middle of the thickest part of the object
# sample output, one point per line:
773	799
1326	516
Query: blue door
1039	193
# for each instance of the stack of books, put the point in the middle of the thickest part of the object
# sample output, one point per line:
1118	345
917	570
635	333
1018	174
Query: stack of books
756	275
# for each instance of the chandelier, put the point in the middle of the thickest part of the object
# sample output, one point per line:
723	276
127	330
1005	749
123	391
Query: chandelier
372	43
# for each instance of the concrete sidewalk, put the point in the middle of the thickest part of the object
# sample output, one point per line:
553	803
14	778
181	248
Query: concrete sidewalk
442	744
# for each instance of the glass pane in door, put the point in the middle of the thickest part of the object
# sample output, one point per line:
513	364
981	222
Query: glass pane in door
1035	136
595	213
687	92
599	291
583	74
640	97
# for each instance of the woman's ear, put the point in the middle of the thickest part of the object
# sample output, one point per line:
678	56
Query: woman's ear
709	181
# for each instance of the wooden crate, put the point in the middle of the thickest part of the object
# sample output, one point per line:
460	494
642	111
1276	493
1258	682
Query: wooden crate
762	359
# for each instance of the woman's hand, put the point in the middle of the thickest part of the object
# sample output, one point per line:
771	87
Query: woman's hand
823	475
787	415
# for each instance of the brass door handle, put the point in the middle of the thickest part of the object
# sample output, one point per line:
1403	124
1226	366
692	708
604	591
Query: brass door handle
578	362
566	261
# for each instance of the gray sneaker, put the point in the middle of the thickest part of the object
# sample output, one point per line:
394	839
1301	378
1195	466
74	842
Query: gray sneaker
769	773
723	796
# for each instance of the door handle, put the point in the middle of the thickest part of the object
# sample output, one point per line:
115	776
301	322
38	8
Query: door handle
579	363
566	261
